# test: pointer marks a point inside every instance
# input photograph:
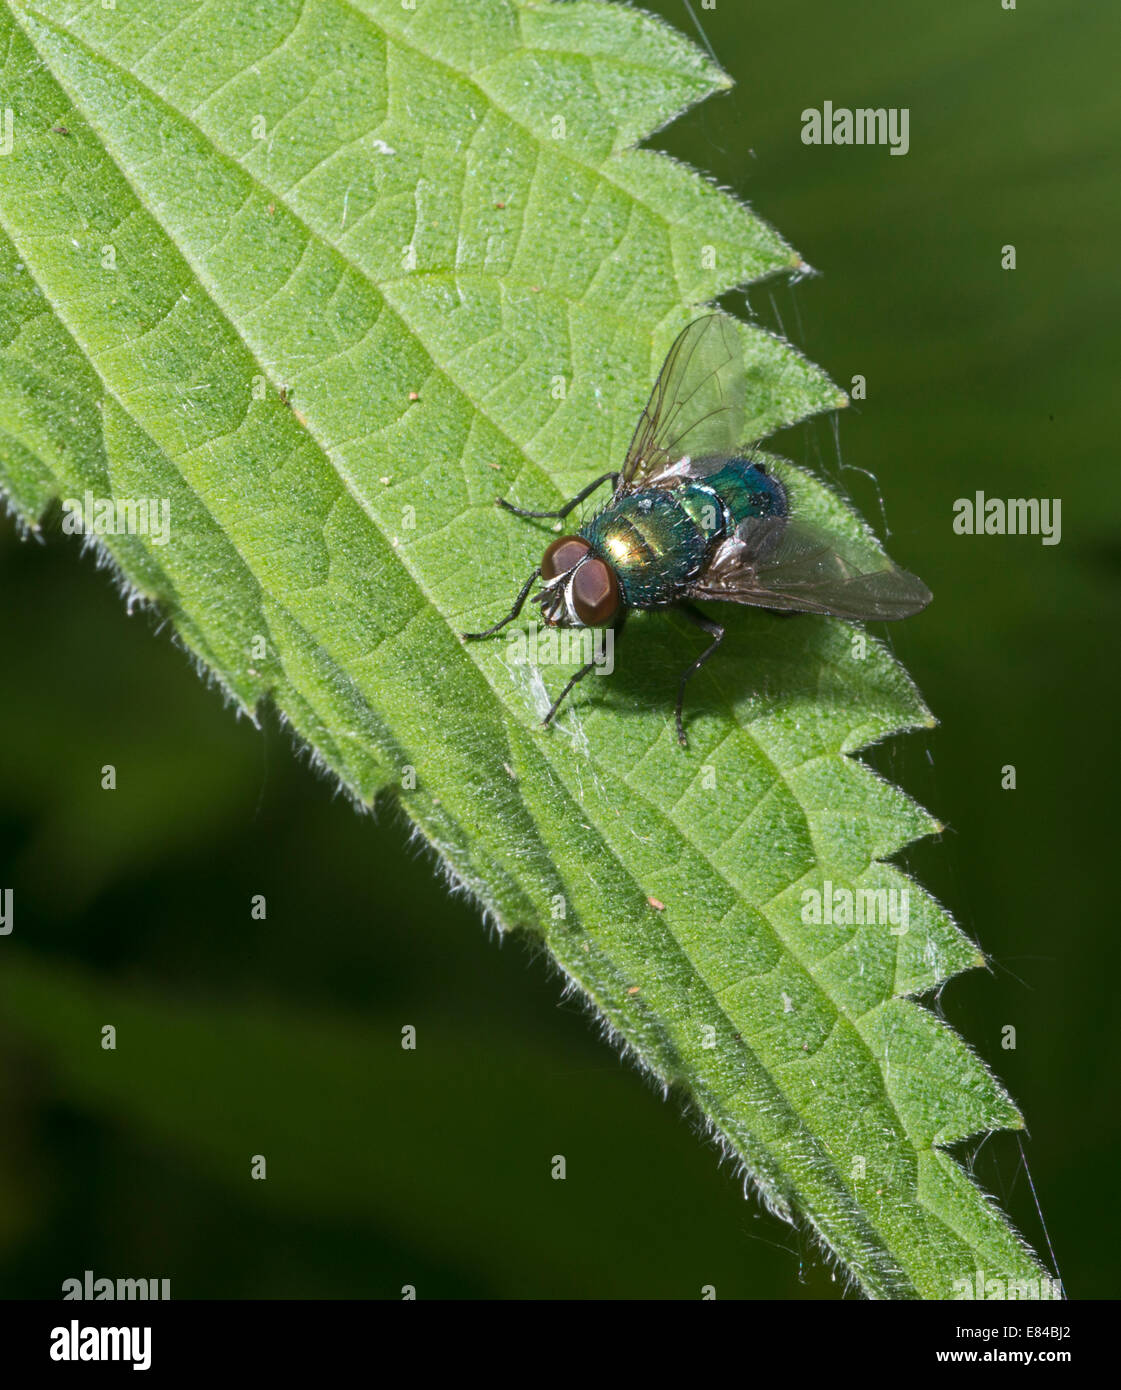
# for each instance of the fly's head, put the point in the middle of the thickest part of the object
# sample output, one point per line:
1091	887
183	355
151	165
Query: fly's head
579	589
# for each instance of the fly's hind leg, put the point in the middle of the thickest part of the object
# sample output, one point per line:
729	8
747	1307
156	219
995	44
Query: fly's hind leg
716	632
568	506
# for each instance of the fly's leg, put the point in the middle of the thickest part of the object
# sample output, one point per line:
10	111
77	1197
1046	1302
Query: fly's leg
579	676
568	506
716	632
519	604
583	671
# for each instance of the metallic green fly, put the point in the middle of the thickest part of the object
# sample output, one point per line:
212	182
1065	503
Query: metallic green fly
693	516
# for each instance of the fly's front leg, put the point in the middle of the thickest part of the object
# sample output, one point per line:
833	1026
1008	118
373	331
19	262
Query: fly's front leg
584	670
716	632
568	506
519	604
579	676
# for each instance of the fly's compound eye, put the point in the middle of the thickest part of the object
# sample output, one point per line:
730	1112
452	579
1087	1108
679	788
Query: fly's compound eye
562	555
595	592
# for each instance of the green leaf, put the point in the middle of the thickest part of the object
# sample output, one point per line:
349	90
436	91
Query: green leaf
326	277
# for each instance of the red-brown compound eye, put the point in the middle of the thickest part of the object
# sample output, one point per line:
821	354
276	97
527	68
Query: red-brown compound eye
595	592
562	555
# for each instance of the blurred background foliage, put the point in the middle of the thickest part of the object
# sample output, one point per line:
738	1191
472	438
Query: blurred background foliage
282	1036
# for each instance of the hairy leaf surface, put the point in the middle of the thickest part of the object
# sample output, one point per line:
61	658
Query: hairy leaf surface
327	275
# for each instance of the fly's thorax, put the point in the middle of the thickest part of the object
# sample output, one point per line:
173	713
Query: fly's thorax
651	541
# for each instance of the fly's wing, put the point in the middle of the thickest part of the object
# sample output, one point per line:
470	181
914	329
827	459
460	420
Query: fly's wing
777	562
697	406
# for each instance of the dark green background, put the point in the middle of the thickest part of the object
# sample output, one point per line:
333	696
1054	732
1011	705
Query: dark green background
280	1037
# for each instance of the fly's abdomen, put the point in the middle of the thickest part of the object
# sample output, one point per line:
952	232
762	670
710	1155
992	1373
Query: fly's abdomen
744	490
653	544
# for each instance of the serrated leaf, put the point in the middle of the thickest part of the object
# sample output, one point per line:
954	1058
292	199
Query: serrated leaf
326	277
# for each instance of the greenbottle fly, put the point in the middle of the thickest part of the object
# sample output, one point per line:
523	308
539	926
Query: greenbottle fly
693	516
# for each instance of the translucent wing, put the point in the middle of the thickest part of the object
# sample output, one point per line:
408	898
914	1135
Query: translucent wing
697	405
777	562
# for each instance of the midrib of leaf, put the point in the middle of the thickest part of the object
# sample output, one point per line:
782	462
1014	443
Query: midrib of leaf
805	1175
